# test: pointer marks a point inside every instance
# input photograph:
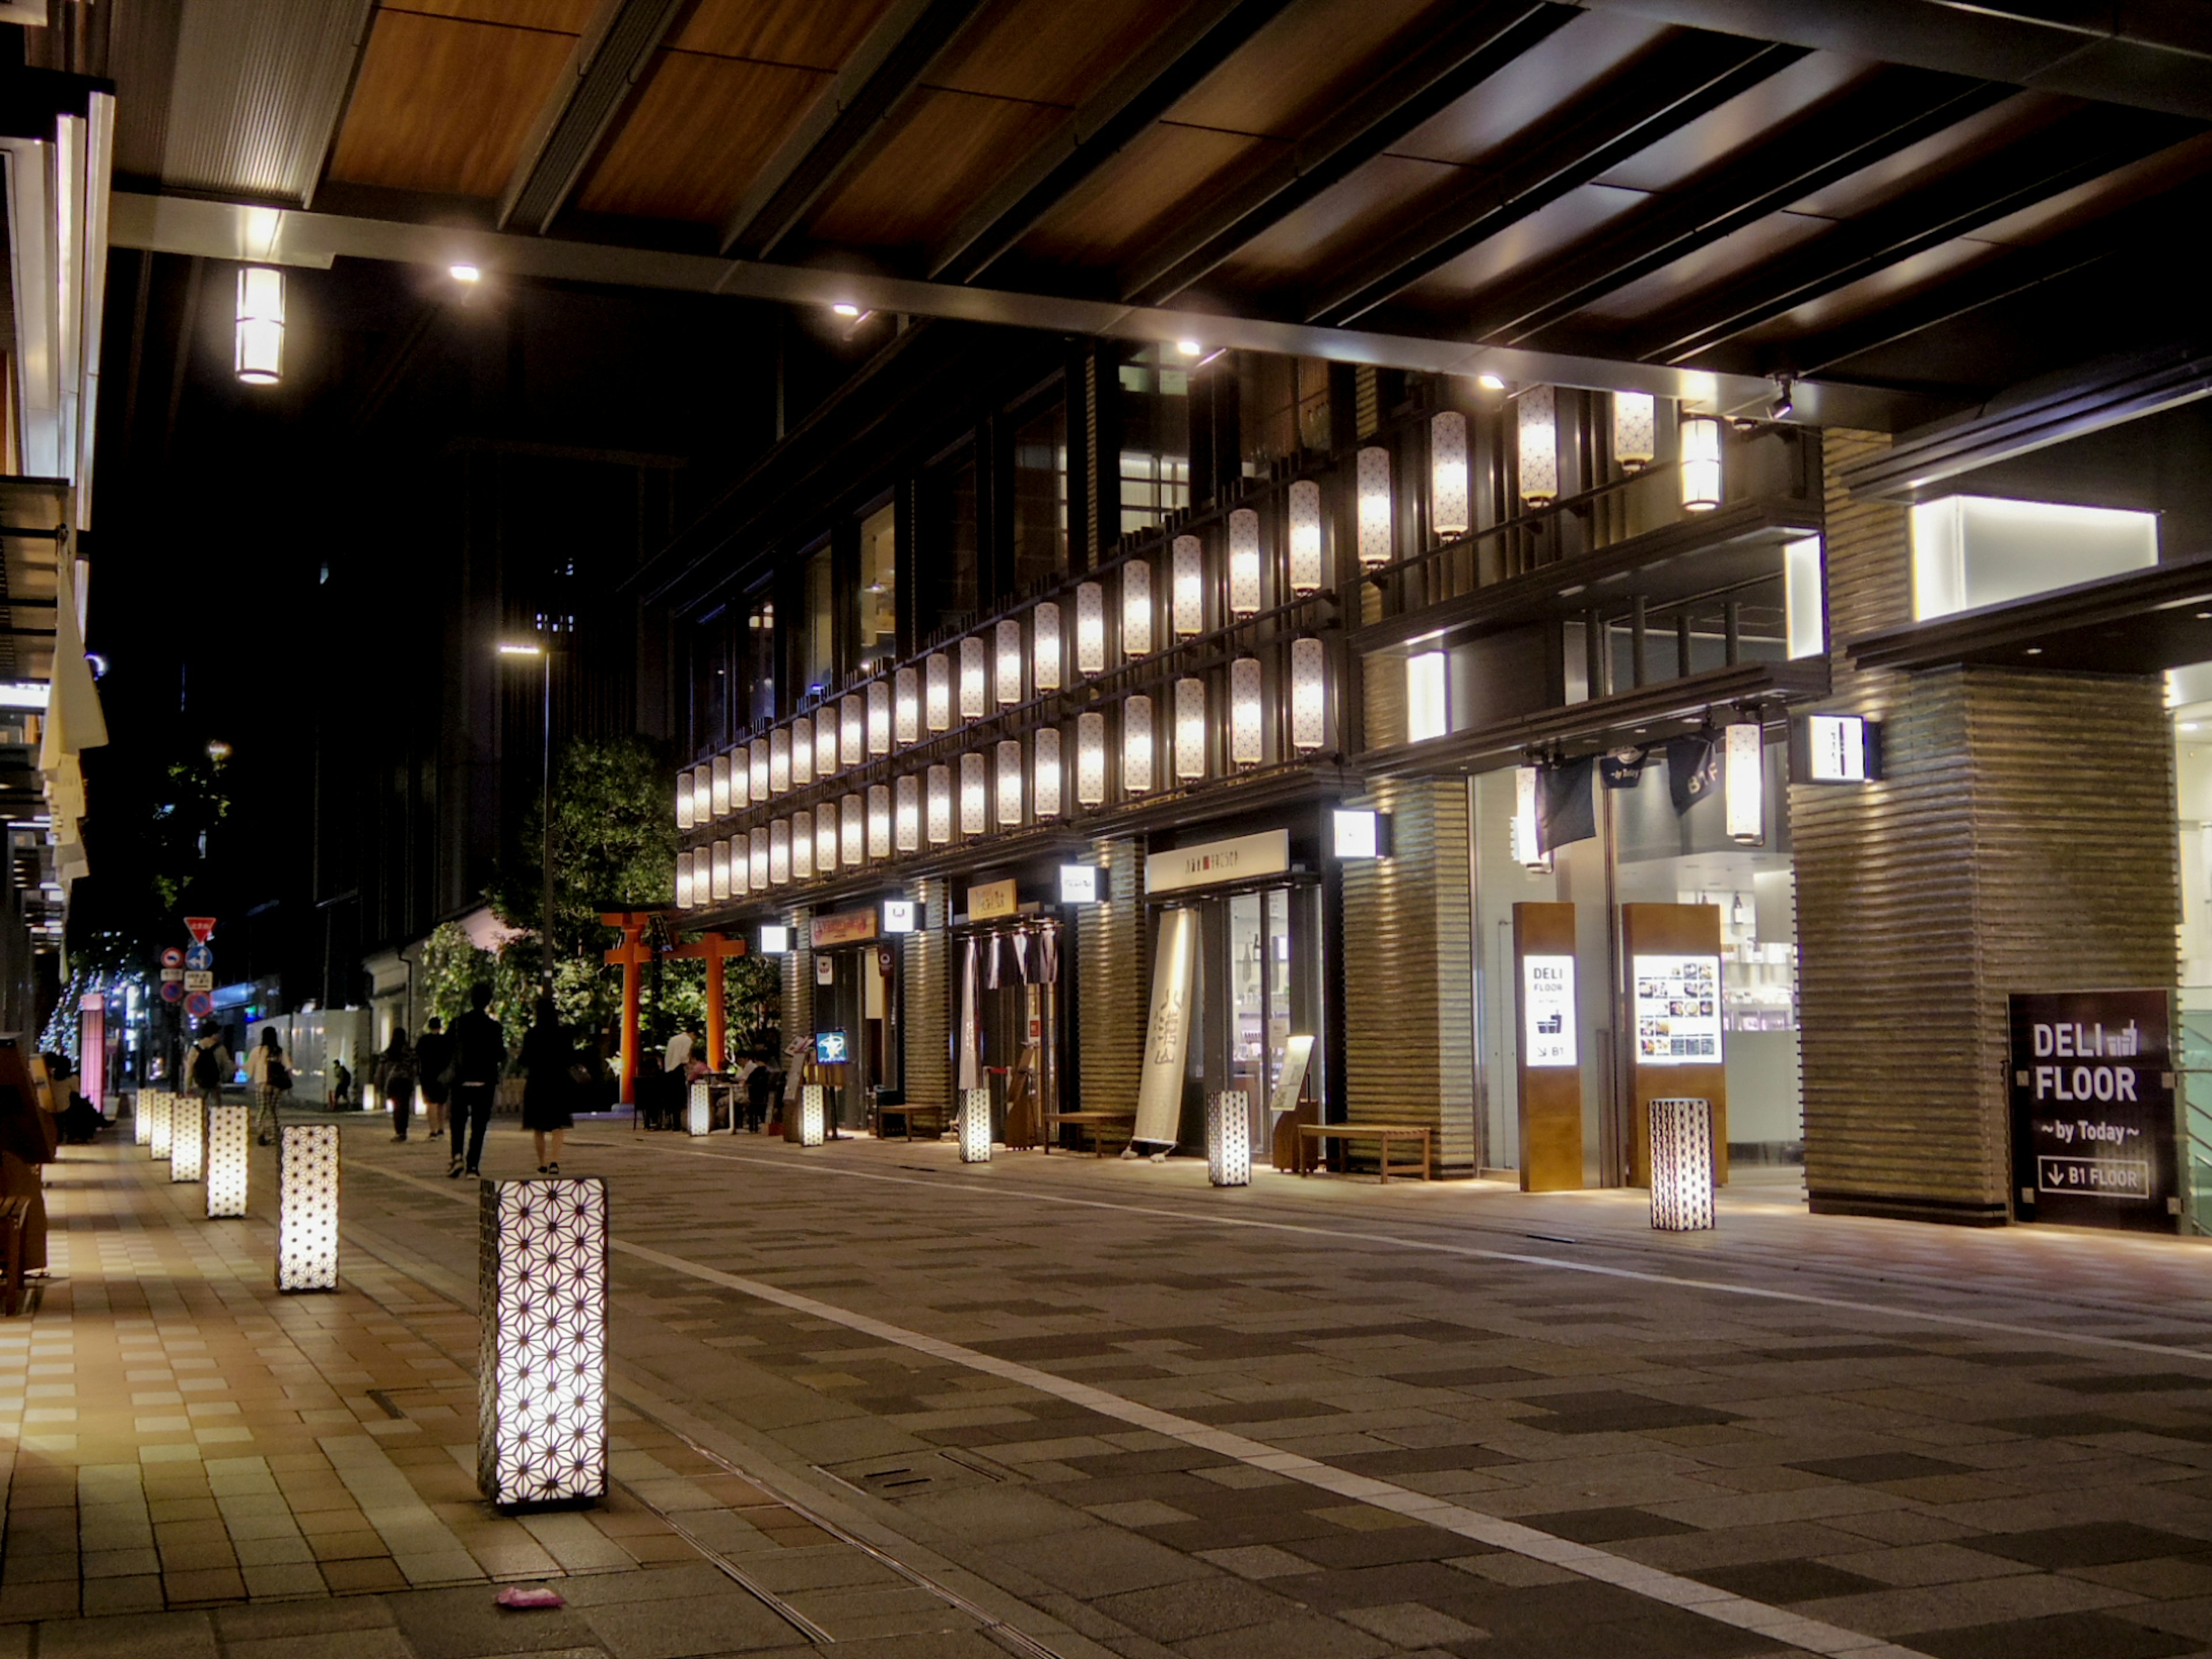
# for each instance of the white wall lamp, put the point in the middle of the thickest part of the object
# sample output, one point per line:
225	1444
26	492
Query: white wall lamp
759	855
906	814
1045	781
1635	429
802	848
879	822
1090	760
1010	662
906	708
1190	729
1309	695
939	805
975	795
740	778
853	831
1247	735
1090	628
1243	563
779	853
718	787
879	717
1189	594
774	938
1743	761
937	692
1010	784
1136	609
1045	647
1137	745
1305	537
1373	469
686	792
975	683
260	356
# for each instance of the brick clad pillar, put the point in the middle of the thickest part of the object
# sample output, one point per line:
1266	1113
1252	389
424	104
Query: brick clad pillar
1116	981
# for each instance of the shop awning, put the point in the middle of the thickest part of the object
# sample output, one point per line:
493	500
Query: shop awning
2143	622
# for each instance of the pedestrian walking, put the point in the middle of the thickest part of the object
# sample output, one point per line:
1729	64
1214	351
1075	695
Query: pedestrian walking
210	1065
479	1059
395	1075
434	1065
549	1087
269	1069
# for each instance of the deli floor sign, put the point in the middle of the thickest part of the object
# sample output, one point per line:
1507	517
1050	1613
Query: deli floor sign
2093	1109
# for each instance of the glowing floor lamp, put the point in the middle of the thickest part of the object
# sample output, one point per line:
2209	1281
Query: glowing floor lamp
230	1136
541	1388
307	1207
1228	1139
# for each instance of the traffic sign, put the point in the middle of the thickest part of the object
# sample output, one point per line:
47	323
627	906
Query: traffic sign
199	958
172	957
198	979
199	1004
174	990
199	927
173	975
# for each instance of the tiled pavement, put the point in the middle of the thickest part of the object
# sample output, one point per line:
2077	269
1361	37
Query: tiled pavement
1126	1413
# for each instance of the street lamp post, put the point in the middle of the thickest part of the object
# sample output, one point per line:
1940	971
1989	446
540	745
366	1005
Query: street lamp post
545	653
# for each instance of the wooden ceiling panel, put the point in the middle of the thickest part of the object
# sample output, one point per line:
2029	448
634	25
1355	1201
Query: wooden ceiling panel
1137	197
1873	292
1539	236
700	134
1049	51
1716	262
1336	224
443	105
2008	123
816	35
951	150
1307	62
558	16
1742	122
1559	70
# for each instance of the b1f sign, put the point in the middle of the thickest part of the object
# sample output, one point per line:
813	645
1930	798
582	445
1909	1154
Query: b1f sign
2092	1110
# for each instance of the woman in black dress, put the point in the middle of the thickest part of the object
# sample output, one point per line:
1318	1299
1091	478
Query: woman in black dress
548	1088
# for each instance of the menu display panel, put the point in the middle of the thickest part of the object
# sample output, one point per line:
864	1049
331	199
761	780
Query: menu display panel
1678	1009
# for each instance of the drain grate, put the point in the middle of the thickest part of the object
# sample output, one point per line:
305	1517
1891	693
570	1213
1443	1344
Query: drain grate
904	1474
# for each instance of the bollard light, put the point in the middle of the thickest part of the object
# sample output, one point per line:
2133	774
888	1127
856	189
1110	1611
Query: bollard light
230	1139
976	1126
1228	1139
1681	1166
814	1114
307	1207
165	1118
699	1114
542	1375
141	1118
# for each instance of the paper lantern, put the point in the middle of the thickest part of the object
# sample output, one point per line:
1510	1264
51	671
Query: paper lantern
906	814
1009	794
1681	1166
1522	837
699	1109
719	872
1090	628
229	1153
852	729
1187	596
1006	678
1374	485
1743	777
974	796
307	1207
1228	1139
828	742
826	837
542	1372
740	780
1538	445
976	1126
718	787
906	707
141	1118
975	681
702	795
1243	563
779	759
1090	760
937	692
879	717
1044	769
1448	493
165	1121
684	881
686	792
939	805
1305	536
1136	745
740	869
760	856
1635	429
1136	609
814	1114
853	831
759	763
1247	740
188	1140
803	768
879	821
258	342
1309	695
1044	647
1701	463
1190	728
802	848
779	853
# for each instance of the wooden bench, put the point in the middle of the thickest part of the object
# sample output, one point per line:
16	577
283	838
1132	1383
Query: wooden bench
15	1215
1314	1139
1098	1122
934	1116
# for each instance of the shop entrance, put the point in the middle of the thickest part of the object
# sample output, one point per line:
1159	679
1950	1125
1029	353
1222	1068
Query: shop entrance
1008	1013
856	1013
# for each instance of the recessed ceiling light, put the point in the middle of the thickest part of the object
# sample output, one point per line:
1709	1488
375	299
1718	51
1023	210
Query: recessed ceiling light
2204	615
1188	348
2034	650
1489	383
846	308
466	274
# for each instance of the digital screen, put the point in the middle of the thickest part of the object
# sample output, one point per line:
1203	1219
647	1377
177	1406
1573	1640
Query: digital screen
830	1049
1678	1011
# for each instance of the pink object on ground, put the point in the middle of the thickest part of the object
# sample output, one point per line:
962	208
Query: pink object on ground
530	1595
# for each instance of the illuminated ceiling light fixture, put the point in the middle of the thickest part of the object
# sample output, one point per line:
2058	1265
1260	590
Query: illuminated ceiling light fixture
1188	348
1635	429
1539	446
1448	493
1489	382
1374	483
1701	463
230	1138
261	338
1243	563
846	308
1305	536
1744	777
1309	684
466	274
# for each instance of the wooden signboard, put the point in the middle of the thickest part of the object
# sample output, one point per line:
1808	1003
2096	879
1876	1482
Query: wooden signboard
1676	1048
1548	1066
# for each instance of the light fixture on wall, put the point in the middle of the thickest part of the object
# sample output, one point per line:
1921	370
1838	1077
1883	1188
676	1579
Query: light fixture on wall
879	821
1228	1139
853	831
1305	560
1247	737
826	833
1243	563
779	851
740	779
702	793
1188	596
259	354
686	792
229	1154
1448	477
1743	761
975	679
906	707
975	1126
735	847
1009	794
1701	463
1009	685
1635	429
939	805
1045	784
814	1114
1539	449
760	763
802	752
1427	710
1525	850
906	814
1137	745
1090	628
937	692
684	881
718	786
802	849
779	759
774	938
1190	728
1681	1166
307	1207
760	856
1090	760
1044	647
1309	695
974	794
900	915
879	717
718	871
852	729
1374	486
1136	609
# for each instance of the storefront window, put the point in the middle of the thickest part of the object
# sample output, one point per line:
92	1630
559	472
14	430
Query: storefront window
1283	408
1155	468
758	650
876	603
1040	496
948	590
2189	692
710	682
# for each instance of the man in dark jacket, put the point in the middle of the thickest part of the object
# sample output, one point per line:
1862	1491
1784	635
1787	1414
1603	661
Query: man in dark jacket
479	1051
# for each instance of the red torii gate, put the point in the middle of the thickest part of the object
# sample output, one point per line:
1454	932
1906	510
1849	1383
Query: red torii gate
632	953
717	949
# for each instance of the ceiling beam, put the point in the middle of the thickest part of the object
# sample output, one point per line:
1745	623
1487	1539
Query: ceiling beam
2087	144
1844	135
610	58
1197	43
853	115
1678	81
1435	74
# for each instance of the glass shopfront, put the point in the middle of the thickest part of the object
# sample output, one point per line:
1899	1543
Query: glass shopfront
1010	962
858	1043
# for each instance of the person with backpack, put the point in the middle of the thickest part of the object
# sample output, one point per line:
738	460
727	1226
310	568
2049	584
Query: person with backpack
395	1075
208	1064
547	1058
479	1059
434	1060
269	1069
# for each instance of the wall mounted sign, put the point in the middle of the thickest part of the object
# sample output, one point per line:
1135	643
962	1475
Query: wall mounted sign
898	916
1079	884
1547	1007
1210	863
1834	749
847	927
990	899
2093	1109
1678	1011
